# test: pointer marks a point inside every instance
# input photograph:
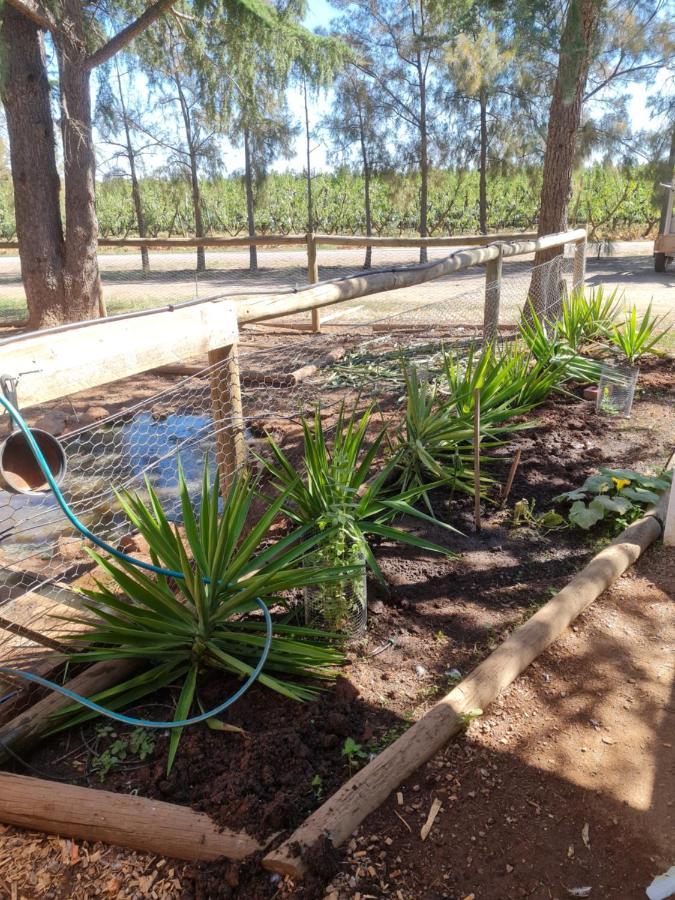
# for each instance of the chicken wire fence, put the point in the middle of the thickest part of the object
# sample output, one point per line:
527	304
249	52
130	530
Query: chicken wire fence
119	435
174	276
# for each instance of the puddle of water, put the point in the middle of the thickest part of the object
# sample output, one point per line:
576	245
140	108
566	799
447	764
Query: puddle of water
117	455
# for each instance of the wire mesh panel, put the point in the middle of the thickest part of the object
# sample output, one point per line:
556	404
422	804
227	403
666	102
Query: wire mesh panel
141	429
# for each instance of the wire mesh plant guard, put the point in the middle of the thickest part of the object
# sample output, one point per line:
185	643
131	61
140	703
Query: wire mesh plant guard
342	605
616	390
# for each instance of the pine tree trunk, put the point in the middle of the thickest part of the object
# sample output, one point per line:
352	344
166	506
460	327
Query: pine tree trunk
669	173
563	126
424	165
250	205
197	206
80	273
25	96
135	186
138	207
482	187
194	168
310	204
368	261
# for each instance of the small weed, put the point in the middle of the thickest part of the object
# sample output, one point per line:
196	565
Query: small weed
440	637
468	717
523	515
317	786
138	744
353	753
377	745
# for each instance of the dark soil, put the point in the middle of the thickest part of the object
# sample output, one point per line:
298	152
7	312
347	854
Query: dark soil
438	615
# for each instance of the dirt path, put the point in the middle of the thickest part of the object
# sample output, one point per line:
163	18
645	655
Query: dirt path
567	782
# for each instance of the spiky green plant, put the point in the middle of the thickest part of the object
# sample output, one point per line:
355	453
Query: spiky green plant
204	620
635	338
510	381
552	351
586	318
334	490
435	440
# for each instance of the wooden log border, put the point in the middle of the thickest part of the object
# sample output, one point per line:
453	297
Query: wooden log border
152	826
342	813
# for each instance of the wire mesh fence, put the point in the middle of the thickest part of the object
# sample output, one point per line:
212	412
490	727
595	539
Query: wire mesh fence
119	436
174	277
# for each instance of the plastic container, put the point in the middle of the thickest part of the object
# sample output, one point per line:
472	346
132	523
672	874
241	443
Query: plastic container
616	390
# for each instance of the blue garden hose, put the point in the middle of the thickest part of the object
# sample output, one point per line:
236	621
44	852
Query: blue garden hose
18	420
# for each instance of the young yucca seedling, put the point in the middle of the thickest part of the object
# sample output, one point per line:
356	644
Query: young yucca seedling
509	381
343	492
203	621
637	338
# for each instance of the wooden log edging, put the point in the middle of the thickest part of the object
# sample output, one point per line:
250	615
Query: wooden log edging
26	729
152	826
342	813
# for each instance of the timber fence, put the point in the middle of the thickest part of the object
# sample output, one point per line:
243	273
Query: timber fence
270	263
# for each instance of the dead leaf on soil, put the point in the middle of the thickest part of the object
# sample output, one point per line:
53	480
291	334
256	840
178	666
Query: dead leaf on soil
585	834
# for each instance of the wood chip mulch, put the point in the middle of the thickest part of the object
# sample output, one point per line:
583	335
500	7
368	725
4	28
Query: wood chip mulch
36	865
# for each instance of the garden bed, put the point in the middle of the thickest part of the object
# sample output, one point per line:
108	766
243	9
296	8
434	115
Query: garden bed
439	615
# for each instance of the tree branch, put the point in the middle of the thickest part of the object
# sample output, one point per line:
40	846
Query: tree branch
126	35
36	12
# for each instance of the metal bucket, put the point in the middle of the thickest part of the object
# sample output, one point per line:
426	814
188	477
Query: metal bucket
20	472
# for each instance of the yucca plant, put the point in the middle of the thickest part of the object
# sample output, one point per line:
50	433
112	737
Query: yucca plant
204	620
335	491
603	309
433	443
587	317
510	382
636	338
552	351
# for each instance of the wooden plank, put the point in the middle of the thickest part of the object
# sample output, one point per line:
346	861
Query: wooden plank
493	290
228	416
313	278
37	617
57	362
579	265
122	819
342	813
271	240
261	240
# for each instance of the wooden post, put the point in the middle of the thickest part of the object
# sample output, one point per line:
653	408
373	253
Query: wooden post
313	277
228	416
669	523
493	290
579	265
476	456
